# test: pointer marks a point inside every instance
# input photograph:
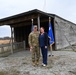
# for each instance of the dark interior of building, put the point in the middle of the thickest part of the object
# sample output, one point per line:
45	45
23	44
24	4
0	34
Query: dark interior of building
21	33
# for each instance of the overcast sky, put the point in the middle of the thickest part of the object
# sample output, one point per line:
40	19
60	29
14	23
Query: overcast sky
63	8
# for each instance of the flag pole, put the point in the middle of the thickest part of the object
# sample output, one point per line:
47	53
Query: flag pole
32	25
51	44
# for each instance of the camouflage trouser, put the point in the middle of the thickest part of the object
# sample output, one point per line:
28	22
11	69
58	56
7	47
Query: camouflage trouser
35	54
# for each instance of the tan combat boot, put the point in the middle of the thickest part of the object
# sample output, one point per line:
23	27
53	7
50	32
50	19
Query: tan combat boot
37	62
33	63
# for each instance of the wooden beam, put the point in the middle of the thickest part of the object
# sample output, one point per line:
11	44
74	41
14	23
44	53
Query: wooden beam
27	23
18	20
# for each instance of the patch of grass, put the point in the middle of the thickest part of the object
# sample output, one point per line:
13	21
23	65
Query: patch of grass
14	72
3	73
74	50
68	50
11	72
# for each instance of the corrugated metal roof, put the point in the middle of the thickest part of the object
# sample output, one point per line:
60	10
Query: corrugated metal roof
26	13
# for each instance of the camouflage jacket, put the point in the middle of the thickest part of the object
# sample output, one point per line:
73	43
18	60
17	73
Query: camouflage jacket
33	39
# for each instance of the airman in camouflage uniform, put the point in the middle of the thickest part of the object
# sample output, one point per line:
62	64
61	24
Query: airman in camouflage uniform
34	46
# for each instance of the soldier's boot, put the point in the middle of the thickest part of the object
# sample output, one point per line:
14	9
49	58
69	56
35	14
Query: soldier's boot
33	63
37	62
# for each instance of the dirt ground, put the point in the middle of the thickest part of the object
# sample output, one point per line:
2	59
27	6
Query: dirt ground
62	63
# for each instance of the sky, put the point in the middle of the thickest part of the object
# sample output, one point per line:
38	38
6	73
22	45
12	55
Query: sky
63	8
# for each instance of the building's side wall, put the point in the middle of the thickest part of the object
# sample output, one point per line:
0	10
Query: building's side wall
65	33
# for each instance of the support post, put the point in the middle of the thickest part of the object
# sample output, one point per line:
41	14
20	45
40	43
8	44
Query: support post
11	40
38	22
38	19
24	45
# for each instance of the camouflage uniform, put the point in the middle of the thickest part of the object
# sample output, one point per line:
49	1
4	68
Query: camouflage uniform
33	41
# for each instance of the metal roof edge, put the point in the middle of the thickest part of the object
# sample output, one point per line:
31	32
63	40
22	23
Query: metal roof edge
34	11
25	13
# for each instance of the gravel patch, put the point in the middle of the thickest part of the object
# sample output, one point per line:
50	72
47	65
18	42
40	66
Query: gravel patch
62	63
